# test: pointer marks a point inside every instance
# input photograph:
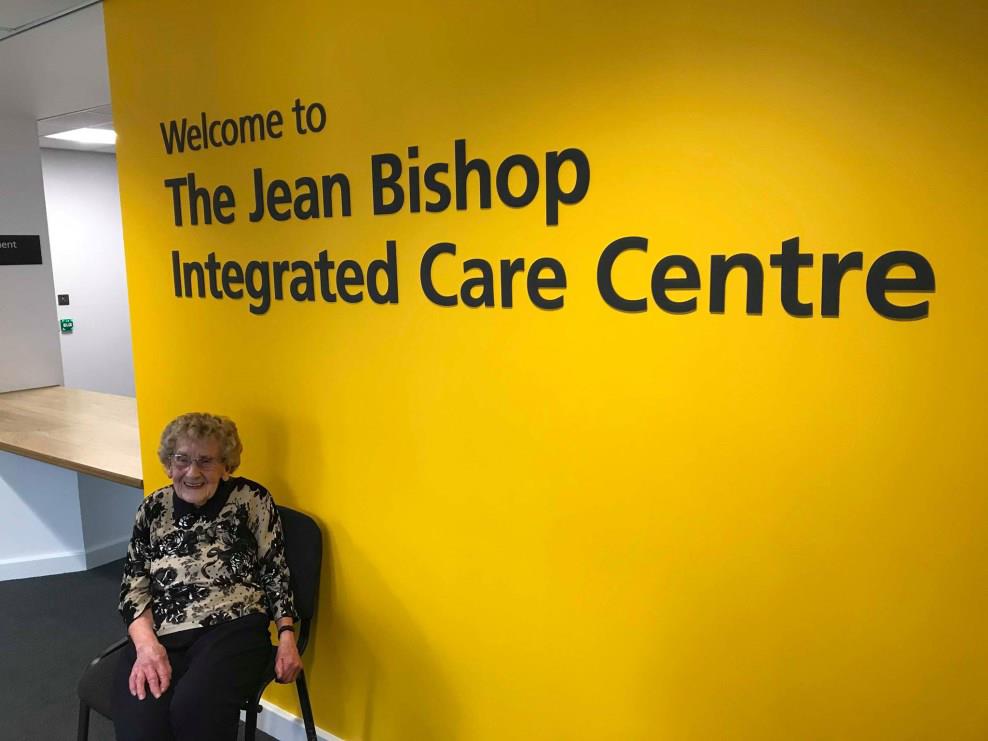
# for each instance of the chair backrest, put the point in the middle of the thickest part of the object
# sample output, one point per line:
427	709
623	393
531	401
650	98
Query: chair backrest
303	551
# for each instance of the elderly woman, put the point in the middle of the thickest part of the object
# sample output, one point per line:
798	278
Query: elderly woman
205	574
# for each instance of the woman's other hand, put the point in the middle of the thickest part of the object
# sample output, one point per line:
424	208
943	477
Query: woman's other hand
287	662
151	670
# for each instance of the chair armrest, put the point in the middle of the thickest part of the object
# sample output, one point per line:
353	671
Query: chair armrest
109	650
96	684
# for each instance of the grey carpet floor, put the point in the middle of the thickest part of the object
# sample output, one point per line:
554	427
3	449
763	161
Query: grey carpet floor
51	627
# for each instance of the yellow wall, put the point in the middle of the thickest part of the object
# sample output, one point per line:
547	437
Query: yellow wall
587	524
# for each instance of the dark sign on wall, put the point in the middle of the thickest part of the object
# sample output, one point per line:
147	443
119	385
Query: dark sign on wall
23	249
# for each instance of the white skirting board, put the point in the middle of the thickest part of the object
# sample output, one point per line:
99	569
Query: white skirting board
44	565
62	563
284	726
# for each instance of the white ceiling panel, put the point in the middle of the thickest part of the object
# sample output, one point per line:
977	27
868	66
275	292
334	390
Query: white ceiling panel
97	118
17	13
56	68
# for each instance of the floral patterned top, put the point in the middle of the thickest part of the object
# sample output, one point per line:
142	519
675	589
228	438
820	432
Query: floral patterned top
199	567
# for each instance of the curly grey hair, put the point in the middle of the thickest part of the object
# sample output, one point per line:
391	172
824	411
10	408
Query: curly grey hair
202	426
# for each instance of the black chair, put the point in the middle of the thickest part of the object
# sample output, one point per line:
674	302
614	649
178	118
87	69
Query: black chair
303	551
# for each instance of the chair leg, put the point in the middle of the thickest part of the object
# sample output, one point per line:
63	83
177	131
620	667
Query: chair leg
83	734
306	707
250	722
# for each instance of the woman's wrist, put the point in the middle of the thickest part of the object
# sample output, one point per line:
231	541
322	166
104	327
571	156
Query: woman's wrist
286	628
144	644
142	632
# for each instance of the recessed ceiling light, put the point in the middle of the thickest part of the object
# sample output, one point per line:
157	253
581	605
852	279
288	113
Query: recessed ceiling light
87	136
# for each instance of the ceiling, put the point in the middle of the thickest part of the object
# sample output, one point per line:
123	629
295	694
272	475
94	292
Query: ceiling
53	66
100	117
18	15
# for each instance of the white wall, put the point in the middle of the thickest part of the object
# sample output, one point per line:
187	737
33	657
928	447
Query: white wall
56	520
107	511
41	527
29	351
83	205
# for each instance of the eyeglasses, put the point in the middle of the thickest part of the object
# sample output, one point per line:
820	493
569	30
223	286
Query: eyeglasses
182	461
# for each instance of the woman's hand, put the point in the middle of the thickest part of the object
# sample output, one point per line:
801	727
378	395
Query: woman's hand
287	663
151	668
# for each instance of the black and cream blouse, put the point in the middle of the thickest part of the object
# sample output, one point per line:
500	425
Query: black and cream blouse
198	567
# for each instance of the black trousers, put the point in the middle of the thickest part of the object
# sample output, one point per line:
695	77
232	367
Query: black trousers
213	670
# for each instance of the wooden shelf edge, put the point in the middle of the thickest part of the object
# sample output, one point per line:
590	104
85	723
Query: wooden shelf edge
118	478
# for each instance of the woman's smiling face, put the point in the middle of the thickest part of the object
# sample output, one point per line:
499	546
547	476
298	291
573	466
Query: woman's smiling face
196	469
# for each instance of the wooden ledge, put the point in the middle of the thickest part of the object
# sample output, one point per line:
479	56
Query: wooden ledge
85	431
